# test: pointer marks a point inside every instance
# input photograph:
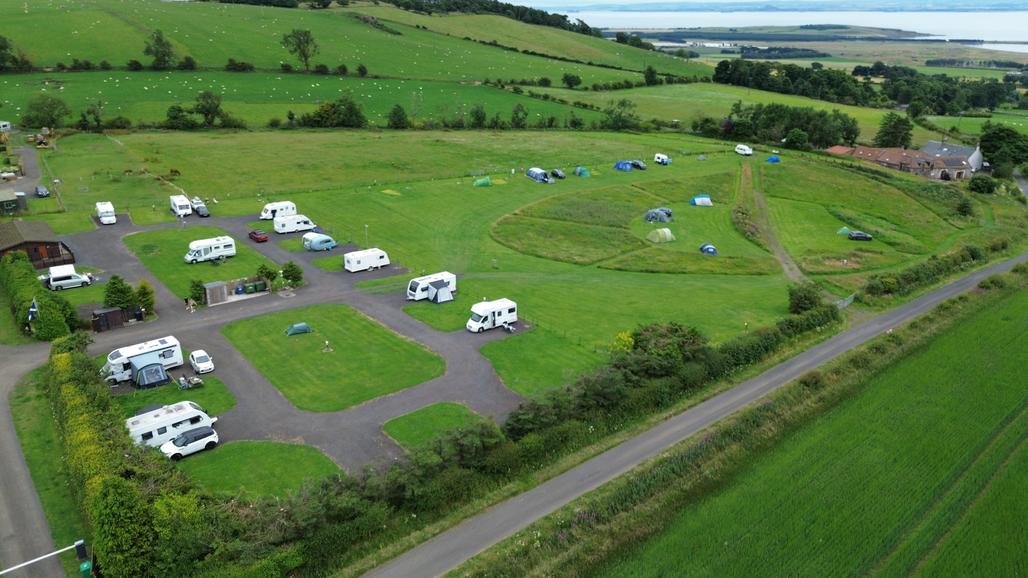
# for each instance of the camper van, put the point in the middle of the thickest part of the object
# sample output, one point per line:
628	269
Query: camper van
145	363
661	159
292	224
5	126
155	425
105	213
180	205
278	209
538	175
65	277
743	150
365	260
318	242
492	314
210	249
437	287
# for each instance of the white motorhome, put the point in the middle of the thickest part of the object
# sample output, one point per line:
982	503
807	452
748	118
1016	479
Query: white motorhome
105	213
278	209
65	277
5	126
743	150
492	314
365	260
430	286
180	205
155	425
210	249
292	224
129	363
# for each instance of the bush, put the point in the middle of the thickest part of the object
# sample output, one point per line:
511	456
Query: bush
118	293
342	70
362	70
238	66
804	297
134	65
286	67
123	533
320	69
993	282
187	63
54	317
274	122
292	273
982	184
145	296
197	292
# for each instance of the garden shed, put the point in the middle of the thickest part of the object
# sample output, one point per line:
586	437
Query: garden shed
663	235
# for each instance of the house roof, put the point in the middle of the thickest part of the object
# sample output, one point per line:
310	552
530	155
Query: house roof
839	150
17	232
944	149
7	195
952	162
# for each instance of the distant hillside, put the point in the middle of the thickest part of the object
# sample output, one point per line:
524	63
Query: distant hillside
806	32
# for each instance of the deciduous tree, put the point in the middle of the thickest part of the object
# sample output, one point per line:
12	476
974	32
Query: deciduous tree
160	49
301	44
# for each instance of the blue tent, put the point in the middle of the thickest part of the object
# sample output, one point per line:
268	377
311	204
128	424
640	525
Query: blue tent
701	201
581	171
708	249
774	159
623	165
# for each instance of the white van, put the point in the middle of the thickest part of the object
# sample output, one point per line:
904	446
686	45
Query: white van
418	288
210	249
123	363
5	126
492	314
105	213
365	260
65	277
180	205
743	150
292	224
278	209
155	425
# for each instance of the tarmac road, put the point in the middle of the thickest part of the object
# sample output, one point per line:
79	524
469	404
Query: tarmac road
451	548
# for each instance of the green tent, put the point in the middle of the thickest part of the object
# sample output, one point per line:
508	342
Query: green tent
299	328
663	235
483	182
843	231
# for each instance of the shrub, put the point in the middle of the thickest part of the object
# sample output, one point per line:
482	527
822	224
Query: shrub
982	184
993	282
803	297
187	63
342	70
362	70
197	292
286	67
293	273
118	293
274	122
134	65
145	296
123	533
117	123
812	380
54	316
238	66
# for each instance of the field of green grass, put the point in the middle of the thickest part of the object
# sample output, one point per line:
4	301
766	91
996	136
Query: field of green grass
251	468
162	251
877	482
214	397
418	428
1016	119
367	359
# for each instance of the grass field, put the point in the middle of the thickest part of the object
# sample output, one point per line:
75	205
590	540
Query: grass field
162	250
420	427
367	361
214	397
1017	119
877	482
252	469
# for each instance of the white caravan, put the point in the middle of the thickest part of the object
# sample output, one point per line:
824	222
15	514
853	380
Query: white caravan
492	314
365	260
105	213
180	205
5	126
420	287
155	425
210	249
126	363
743	150
278	209
292	224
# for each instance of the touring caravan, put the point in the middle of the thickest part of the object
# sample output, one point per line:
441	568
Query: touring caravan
155	425
318	242
5	126
661	159
365	260
105	213
145	363
278	209
292	224
180	205
210	249
492	314
743	150
437	287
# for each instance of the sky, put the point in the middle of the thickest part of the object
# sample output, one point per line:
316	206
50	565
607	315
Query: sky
797	4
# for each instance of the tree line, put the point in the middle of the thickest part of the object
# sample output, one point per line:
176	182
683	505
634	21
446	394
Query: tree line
520	13
791	126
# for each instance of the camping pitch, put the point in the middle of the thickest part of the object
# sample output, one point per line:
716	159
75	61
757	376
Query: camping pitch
701	201
663	235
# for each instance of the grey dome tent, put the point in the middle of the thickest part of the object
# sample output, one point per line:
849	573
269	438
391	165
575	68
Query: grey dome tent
581	171
298	328
439	291
150	375
708	249
623	166
661	215
663	235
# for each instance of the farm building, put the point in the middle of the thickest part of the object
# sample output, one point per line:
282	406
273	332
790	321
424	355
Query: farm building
936	160
37	240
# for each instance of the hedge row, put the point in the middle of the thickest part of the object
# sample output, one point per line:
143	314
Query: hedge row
19	280
925	273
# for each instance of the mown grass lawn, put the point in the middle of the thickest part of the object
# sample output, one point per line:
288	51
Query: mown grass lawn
162	251
420	427
252	468
876	482
213	396
368	360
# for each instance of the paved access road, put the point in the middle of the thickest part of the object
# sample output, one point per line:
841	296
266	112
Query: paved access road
451	548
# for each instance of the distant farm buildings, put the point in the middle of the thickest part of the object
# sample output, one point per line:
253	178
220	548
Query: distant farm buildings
936	160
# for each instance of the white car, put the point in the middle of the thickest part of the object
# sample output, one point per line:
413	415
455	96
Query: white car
201	362
190	442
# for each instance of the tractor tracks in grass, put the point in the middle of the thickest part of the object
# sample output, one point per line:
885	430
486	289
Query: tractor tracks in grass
763	222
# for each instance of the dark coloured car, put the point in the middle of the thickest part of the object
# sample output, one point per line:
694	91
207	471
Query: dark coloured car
558	174
637	164
259	236
42	191
859	236
202	211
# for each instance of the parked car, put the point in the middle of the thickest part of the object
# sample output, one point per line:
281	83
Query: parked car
201	362
42	191
859	236
259	236
201	211
558	174
190	442
637	164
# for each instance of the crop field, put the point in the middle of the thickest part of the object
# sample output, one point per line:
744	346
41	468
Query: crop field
256	469
257	97
212	33
162	250
887	482
366	360
420	427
